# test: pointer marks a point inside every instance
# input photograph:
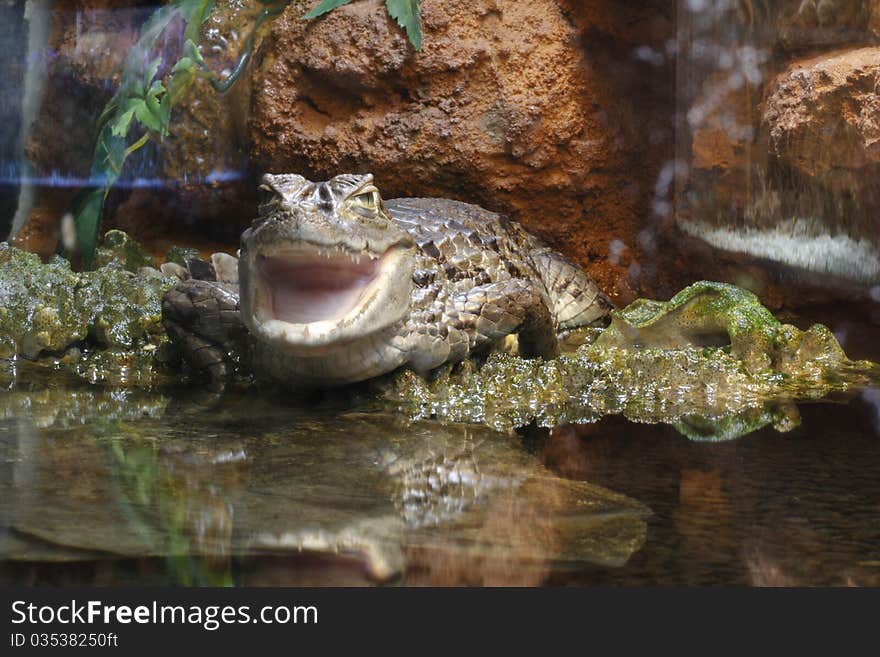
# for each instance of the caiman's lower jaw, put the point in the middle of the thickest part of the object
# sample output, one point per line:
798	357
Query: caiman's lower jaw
302	296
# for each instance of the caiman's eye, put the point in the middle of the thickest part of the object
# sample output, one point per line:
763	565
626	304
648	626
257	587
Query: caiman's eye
268	196
366	203
369	200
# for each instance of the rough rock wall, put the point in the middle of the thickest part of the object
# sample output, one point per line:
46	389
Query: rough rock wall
516	106
822	116
556	112
88	42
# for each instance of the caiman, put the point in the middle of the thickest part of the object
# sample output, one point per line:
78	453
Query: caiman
333	285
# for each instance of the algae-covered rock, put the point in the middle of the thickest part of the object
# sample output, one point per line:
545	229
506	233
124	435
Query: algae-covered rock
705	314
39	310
45	309
711	352
126	310
722	315
118	247
179	255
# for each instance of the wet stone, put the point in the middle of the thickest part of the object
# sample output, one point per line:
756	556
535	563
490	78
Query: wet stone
118	247
47	309
712	357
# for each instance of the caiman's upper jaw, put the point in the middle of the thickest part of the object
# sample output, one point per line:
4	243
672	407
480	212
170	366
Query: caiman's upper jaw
304	295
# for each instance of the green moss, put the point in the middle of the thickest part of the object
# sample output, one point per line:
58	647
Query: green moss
125	309
38	305
46	309
180	254
712	352
703	314
712	361
119	248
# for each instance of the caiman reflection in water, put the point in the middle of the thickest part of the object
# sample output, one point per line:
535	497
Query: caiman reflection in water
103	476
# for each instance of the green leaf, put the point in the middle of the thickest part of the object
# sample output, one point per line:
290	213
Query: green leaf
191	51
406	13
183	64
195	12
157	89
177	86
120	125
87	221
147	118
324	7
149	74
165	114
109	156
153	102
154	105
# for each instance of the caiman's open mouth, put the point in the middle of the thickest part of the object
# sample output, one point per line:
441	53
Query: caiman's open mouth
300	296
300	288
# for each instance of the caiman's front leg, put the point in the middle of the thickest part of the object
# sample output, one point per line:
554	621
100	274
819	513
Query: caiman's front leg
202	318
478	318
514	306
507	307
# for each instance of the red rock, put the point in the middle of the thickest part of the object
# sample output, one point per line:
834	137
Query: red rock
501	108
823	116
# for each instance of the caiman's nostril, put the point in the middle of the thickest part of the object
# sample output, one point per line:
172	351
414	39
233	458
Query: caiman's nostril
325	196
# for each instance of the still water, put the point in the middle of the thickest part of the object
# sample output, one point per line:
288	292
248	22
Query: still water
177	486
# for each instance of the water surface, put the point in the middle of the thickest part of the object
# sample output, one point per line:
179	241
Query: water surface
110	486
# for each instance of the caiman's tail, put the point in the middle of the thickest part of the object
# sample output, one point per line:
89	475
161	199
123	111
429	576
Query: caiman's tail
576	299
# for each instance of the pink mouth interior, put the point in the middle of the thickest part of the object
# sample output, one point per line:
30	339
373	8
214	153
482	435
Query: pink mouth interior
300	289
